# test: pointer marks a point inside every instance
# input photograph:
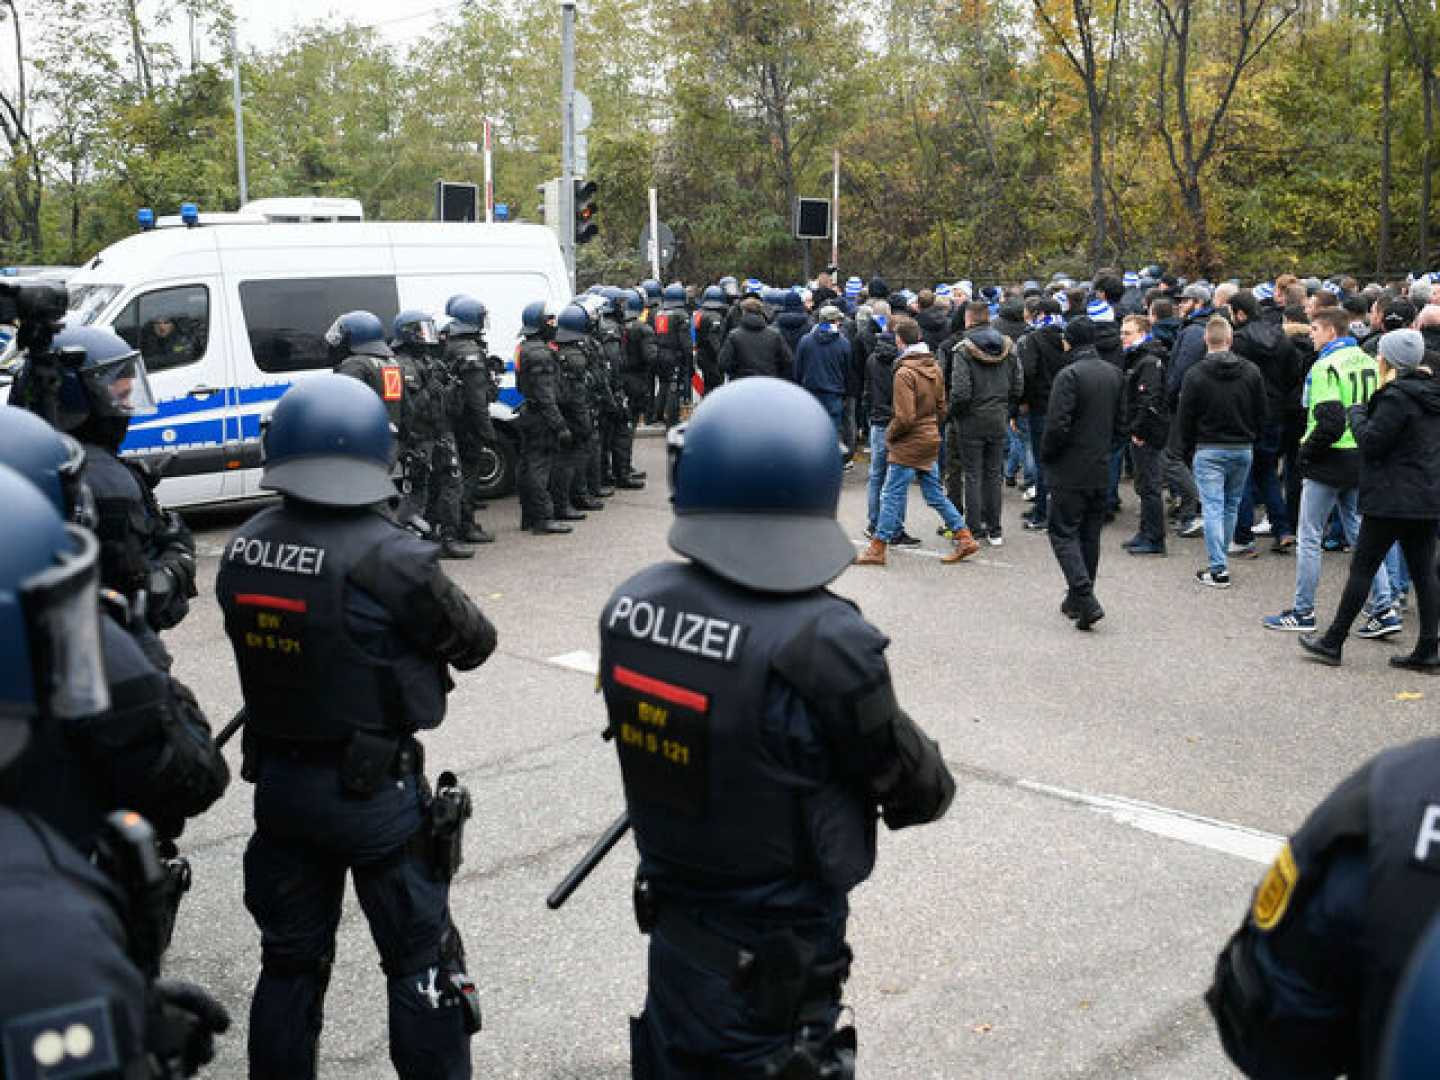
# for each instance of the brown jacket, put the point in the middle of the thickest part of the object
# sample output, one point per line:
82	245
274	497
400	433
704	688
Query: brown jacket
913	437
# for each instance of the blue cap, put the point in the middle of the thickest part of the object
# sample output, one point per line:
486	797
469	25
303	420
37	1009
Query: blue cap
189	213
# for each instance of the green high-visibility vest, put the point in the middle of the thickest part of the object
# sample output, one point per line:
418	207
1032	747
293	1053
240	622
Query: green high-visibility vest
1349	376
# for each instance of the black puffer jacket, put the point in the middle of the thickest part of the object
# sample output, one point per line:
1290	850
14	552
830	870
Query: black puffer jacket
1147	417
1082	422
1398	431
1267	347
1042	355
755	348
880	375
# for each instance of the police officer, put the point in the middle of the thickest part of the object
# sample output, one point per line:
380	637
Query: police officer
73	1000
430	460
150	751
146	554
543	431
356	344
343	627
467	357
751	834
1305	986
570	479
603	395
617	458
675	358
710	335
642	358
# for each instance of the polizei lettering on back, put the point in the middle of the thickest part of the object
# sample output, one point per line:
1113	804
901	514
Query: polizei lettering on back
699	635
269	555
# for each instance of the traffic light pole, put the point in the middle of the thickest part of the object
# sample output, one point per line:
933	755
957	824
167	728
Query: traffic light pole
567	137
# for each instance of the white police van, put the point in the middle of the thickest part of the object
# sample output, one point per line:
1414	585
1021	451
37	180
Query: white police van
229	309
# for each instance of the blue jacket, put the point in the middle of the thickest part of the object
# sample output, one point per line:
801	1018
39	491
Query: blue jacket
822	360
1188	350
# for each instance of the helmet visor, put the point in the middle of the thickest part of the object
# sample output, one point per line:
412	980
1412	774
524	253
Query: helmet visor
62	618
79	499
120	387
424	332
674	451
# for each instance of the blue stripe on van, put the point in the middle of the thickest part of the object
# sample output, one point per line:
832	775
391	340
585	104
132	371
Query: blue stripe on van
171	417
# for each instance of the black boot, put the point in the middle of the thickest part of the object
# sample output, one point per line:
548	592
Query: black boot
452	548
630	485
1426	656
474	533
551	528
568	515
587	502
1089	612
1321	648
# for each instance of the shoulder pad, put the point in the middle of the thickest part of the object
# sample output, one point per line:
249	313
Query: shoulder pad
834	654
73	1040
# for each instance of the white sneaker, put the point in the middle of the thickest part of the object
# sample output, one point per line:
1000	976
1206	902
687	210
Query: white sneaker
996	541
1261	528
1030	493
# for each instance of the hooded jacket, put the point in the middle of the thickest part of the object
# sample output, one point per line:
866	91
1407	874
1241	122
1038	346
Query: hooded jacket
1011	320
1398	432
880	377
1108	343
1082	422
1147	417
985	383
934	326
1222	403
754	348
917	406
1267	347
1188	350
793	325
822	360
1042	354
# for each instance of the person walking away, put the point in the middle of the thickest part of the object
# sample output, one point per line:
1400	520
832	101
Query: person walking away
1042	354
913	444
1266	346
1080	427
1147	424
1398	435
1221	414
985	384
821	363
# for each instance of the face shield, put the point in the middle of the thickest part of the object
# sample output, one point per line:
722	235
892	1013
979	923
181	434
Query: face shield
79	499
674	450
62	620
424	332
119	387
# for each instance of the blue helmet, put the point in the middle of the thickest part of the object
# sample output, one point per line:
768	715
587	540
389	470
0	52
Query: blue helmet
536	315
413	328
573	323
729	287
635	301
713	298
467	315
105	378
53	462
50	662
674	294
1410	1048
652	289
755	480
329	442
357	333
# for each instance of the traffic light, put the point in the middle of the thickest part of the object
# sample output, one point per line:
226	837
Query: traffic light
585	227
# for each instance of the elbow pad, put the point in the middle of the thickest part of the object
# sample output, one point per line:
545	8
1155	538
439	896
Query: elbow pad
464	637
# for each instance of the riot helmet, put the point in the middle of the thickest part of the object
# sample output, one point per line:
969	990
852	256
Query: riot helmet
103	384
356	333
413	329
674	295
573	323
329	442
651	289
729	288
634	303
538	319
713	299
755	481
467	315
1409	1048
52	461
50	659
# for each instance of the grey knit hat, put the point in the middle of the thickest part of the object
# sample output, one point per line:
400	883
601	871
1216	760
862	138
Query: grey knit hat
1403	350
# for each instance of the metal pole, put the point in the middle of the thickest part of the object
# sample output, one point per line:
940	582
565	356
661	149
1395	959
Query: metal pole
835	215
489	180
567	136
654	235
239	119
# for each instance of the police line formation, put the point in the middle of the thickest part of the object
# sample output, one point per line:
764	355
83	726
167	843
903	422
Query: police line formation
345	627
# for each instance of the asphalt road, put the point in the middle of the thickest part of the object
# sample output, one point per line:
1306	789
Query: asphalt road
1061	921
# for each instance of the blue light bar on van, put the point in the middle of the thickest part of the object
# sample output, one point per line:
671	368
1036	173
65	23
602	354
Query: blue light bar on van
189	214
146	217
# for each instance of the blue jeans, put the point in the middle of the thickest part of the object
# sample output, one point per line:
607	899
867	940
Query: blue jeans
1317	502
1264	487
834	406
1017	451
1399	572
1042	493
896	491
1221	473
879	459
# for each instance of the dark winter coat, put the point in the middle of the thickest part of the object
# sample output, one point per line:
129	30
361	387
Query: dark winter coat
1011	320
1188	350
793	325
1147	417
1166	331
985	384
822	361
755	348
1109	345
1042	354
934	326
1082	422
880	377
1398	432
1269	349
1221	404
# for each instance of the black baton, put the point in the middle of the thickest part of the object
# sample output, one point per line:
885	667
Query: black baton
576	877
228	733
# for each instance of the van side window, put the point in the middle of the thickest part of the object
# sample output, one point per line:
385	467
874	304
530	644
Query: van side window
286	318
170	327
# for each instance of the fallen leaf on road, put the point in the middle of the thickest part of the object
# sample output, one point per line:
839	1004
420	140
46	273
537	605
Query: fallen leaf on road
497	595
983	1029
1409	695
1085	1003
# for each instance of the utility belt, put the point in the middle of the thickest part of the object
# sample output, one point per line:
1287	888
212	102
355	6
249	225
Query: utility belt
779	973
366	760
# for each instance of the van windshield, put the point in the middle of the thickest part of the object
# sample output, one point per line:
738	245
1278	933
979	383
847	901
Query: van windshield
87	301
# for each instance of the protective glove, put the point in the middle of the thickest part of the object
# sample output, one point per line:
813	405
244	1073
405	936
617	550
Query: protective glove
566	439
184	1021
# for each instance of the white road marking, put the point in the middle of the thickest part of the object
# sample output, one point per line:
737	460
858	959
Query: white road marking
1237	840
584	662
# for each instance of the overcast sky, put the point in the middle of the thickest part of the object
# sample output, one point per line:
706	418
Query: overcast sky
264	23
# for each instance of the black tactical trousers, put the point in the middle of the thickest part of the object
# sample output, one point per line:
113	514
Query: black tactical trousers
571	477
534	470
640	396
667	405
1076	518
619	449
443	509
473	458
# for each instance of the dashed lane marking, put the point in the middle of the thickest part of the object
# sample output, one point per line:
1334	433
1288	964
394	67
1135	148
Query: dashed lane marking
586	663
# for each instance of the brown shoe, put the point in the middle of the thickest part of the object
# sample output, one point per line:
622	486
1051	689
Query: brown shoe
874	555
965	546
